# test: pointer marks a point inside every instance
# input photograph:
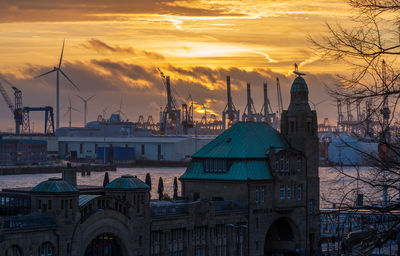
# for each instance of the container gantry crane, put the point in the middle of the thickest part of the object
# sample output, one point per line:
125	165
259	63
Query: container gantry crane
21	114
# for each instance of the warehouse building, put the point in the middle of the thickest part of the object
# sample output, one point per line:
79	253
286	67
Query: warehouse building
154	148
22	152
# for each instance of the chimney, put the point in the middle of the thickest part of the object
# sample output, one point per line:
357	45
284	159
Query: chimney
69	175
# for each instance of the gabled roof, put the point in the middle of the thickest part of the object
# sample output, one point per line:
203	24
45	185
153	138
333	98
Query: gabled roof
54	186
244	140
127	182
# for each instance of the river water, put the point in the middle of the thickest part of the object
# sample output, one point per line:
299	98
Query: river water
333	185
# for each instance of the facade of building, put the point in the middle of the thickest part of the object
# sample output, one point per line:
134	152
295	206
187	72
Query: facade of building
22	151
251	191
154	148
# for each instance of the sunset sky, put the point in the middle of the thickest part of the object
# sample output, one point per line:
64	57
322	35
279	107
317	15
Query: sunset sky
113	48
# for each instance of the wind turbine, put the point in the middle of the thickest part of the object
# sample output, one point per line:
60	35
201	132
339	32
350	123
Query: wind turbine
85	101
316	104
69	111
59	70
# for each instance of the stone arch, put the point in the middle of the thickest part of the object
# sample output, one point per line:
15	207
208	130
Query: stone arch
102	222
104	244
14	250
282	238
47	249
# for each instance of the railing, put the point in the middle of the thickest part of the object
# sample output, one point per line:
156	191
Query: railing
171	210
229	206
28	222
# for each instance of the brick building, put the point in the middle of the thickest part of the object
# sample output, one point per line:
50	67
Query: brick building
251	191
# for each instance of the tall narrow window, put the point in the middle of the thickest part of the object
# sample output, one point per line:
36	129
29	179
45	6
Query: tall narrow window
276	165
287	166
142	149
289	192
282	163
257	195
262	195
299	192
80	148
299	164
282	192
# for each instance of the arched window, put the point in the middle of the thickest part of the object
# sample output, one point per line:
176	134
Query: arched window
14	250
105	244
46	249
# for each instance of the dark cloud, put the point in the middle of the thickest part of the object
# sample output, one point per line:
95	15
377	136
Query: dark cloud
112	81
76	10
102	47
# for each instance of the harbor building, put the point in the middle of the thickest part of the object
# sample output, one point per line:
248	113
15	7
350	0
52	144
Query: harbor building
251	191
153	148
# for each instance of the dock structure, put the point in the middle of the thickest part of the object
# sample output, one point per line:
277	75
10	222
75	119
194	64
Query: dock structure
359	231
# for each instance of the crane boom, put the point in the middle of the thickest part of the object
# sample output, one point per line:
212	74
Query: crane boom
6	98
280	103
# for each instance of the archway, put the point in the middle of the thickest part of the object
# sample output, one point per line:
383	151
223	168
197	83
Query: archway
104	245
282	239
14	250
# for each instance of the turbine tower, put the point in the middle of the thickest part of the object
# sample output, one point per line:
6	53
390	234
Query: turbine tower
69	111
85	111
59	70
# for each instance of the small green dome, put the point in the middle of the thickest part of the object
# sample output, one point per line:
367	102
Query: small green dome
54	186
299	85
127	182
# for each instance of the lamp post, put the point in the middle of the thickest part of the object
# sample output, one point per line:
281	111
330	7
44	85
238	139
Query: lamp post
238	233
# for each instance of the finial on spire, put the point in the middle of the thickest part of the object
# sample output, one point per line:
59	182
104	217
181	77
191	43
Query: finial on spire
296	70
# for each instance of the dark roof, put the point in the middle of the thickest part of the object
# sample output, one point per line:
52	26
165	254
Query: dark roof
299	85
54	186
244	140
127	182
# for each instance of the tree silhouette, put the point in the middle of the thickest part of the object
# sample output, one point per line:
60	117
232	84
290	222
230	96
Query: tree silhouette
160	189
148	180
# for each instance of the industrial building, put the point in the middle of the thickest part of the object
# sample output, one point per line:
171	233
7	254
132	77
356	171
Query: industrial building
22	151
154	148
51	141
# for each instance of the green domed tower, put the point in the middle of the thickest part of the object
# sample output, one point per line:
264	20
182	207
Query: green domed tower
55	196
132	190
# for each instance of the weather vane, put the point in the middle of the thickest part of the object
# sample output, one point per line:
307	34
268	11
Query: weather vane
296	70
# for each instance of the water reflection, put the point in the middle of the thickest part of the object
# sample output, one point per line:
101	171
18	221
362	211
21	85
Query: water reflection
96	178
333	186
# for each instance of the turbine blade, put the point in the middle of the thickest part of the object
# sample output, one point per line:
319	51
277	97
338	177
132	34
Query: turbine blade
45	73
81	98
76	110
62	52
69	79
91	97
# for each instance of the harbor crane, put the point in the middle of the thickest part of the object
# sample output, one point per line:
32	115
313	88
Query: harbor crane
230	113
266	109
21	114
250	113
187	115
280	102
170	117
